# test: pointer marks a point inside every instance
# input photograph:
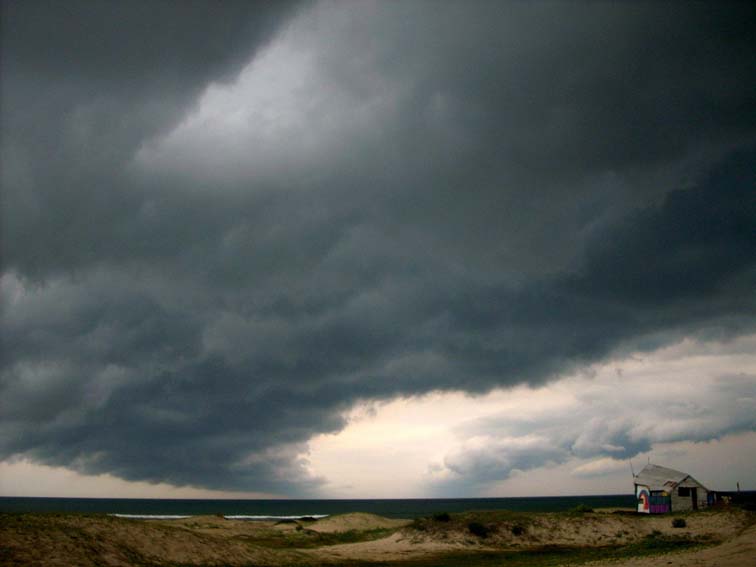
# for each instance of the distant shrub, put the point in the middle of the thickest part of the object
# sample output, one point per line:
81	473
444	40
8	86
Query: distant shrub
679	523
518	530
442	517
478	529
581	509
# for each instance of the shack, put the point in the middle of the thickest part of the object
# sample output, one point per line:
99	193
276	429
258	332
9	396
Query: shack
660	490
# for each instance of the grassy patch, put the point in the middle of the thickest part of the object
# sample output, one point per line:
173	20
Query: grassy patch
548	556
579	510
462	520
308	539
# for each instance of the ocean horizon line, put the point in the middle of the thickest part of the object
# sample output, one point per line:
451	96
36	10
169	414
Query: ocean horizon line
391	508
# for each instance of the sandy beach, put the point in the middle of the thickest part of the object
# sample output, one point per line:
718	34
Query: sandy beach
720	537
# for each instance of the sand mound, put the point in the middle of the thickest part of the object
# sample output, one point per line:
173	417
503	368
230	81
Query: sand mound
356	521
395	547
97	540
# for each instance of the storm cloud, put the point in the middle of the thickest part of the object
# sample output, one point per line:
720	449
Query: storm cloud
225	224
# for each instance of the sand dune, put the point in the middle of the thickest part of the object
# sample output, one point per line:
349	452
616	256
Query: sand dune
78	539
356	521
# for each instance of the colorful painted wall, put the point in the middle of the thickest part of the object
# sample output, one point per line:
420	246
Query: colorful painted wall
644	499
652	502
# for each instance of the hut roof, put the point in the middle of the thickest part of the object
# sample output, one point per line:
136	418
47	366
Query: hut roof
660	478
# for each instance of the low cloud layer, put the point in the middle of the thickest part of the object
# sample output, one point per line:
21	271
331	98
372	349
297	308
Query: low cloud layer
220	234
687	393
604	426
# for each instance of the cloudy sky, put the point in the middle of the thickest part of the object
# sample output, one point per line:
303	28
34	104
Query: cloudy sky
372	249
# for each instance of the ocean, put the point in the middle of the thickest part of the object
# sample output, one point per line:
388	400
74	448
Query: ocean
272	509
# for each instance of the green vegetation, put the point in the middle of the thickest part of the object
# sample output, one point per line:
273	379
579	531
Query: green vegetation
656	542
478	529
581	509
489	521
550	555
303	538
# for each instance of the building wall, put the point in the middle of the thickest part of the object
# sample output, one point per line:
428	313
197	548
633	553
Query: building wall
685	503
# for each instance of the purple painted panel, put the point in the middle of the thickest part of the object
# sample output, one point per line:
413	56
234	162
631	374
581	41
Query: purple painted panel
659	508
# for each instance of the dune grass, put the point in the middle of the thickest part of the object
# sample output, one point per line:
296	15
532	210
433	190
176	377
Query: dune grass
294	544
547	556
308	539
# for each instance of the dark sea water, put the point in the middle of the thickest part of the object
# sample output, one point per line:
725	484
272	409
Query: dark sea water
398	508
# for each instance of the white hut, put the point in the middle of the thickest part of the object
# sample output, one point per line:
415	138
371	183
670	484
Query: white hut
660	490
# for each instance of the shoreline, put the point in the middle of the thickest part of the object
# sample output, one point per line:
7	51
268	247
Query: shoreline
392	508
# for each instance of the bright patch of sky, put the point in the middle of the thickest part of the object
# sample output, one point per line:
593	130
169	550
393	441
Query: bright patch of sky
542	441
492	445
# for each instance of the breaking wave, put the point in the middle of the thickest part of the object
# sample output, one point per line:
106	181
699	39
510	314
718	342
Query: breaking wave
314	516
150	516
245	517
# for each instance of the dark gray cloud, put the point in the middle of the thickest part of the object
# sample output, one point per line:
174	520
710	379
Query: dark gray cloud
84	85
411	198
